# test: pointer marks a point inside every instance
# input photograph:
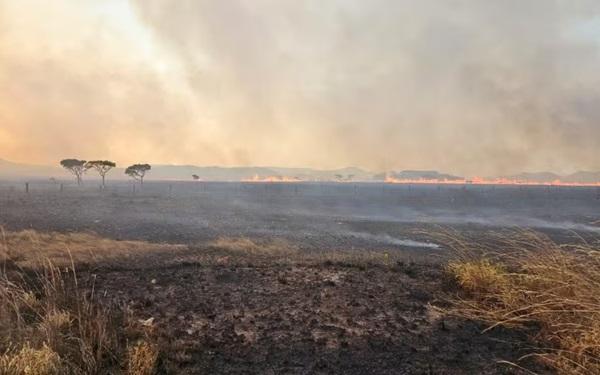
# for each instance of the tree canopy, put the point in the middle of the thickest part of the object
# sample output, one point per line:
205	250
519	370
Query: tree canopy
75	166
102	167
138	171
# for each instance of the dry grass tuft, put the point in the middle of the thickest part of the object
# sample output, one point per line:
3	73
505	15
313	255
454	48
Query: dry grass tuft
525	280
141	358
29	361
479	277
49	323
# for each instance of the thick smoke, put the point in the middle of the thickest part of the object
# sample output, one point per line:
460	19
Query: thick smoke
467	87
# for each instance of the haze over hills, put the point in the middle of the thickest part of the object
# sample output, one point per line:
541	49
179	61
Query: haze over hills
548	177
418	175
535	177
11	170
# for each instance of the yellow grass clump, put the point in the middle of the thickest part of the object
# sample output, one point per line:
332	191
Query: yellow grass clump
29	361
479	276
141	358
525	280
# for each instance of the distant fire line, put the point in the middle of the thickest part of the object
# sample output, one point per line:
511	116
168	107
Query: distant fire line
257	178
433	181
483	181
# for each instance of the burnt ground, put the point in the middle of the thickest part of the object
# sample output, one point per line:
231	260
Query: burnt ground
222	313
316	217
325	307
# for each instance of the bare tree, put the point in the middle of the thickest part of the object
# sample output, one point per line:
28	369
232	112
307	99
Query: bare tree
102	167
138	171
75	166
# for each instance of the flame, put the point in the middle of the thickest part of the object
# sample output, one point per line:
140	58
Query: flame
484	181
257	178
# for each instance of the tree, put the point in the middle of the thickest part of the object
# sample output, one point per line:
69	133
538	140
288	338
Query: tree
102	167
195	177
75	166
138	171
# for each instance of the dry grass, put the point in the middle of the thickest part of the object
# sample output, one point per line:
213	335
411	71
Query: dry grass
30	248
29	361
246	246
280	251
141	358
49	324
525	280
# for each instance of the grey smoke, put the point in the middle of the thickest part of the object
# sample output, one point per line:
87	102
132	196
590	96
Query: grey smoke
462	86
489	87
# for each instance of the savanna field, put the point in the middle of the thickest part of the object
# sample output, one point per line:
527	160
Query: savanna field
299	187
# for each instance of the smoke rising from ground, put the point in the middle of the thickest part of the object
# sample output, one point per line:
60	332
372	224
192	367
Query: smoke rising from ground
467	87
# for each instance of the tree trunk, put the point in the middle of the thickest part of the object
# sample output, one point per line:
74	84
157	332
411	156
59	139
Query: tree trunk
103	185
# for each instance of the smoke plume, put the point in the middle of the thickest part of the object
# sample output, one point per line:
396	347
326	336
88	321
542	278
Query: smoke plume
464	86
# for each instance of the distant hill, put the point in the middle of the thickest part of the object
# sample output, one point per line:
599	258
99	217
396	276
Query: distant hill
16	170
170	172
535	177
418	175
10	170
583	176
577	177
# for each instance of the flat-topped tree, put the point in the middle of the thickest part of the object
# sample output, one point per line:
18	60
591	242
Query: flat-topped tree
138	171
195	177
102	167
75	166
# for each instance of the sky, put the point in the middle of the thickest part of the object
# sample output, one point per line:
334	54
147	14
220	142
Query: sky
469	87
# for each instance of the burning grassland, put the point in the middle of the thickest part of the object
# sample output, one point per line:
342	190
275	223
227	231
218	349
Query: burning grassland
486	181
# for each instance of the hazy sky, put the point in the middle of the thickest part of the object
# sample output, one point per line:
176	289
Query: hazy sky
467	87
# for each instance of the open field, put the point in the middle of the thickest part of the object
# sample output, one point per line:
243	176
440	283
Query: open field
287	278
311	215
